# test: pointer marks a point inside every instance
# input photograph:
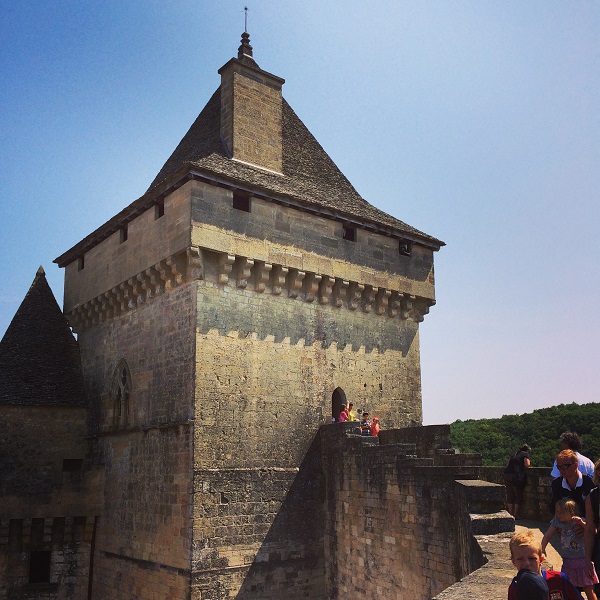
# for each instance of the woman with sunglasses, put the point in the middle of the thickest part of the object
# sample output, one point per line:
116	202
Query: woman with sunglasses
571	483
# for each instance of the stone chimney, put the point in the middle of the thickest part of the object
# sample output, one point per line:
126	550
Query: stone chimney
251	111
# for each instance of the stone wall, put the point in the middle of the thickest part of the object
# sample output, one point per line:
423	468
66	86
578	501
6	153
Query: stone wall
113	262
50	498
144	536
536	494
259	516
62	545
399	526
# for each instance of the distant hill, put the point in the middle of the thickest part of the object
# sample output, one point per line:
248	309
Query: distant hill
497	439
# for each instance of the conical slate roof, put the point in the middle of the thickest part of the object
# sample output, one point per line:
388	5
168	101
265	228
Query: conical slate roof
39	357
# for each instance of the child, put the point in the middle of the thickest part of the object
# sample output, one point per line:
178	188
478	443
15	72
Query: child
365	424
571	547
375	429
526	553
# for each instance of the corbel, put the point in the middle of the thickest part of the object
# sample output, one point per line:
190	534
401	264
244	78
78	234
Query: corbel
226	262
195	263
244	267
262	271
407	306
296	280
326	289
381	301
395	304
278	276
311	286
368	298
355	292
177	273
340	291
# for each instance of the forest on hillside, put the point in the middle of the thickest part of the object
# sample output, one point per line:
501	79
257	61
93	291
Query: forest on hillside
497	439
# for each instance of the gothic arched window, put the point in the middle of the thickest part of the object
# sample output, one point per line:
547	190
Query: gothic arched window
120	394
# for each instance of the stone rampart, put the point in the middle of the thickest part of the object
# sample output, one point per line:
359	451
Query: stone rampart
398	525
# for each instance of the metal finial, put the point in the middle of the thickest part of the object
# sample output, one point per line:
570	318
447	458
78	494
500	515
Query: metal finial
245	19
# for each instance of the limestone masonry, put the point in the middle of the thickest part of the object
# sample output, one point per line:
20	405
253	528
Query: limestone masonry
182	447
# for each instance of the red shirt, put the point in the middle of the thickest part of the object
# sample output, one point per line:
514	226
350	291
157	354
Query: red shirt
559	584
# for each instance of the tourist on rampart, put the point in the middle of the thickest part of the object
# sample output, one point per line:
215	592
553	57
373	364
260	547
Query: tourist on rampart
569	440
365	424
515	479
572	484
343	414
571	547
350	412
526	555
375	428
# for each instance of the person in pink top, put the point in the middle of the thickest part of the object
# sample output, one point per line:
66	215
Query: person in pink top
375	429
343	414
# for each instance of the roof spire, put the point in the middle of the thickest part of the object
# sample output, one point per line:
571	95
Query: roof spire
245	50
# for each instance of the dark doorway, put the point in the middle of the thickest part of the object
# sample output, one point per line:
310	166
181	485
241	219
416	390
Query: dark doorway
337	399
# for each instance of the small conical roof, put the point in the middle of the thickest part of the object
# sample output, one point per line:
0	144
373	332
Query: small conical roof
39	356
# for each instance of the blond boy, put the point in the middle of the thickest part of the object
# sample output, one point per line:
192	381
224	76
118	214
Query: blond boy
526	555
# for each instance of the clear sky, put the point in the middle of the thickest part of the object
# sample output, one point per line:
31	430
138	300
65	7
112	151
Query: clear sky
477	122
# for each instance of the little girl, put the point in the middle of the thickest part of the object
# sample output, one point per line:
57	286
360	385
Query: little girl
571	547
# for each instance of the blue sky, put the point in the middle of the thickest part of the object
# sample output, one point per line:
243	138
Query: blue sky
476	122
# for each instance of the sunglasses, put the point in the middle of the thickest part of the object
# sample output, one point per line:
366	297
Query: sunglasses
565	466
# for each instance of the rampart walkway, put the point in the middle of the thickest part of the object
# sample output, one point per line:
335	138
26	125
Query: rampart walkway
492	580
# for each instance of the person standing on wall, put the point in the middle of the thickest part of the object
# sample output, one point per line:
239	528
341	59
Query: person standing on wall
569	440
515	478
375	428
350	412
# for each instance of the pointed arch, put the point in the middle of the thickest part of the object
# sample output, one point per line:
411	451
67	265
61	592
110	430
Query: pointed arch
120	392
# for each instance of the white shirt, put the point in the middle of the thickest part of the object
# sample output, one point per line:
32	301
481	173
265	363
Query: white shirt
586	466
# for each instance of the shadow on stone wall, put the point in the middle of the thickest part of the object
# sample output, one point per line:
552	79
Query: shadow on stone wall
290	563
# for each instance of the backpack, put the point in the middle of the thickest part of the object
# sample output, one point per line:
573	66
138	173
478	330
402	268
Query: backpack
516	468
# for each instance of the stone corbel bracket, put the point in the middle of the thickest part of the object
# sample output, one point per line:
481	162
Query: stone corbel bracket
248	274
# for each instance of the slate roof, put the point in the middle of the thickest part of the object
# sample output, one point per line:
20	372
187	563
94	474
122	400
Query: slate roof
39	357
310	178
309	175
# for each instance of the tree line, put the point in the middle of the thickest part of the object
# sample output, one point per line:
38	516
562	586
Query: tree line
497	439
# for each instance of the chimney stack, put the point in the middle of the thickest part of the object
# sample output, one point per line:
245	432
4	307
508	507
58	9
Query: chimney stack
251	111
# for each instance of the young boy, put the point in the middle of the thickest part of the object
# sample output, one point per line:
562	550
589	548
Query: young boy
526	553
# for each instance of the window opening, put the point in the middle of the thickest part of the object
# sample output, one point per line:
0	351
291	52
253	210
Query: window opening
80	263
120	393
123	234
72	465
159	209
405	247
241	202
39	566
349	233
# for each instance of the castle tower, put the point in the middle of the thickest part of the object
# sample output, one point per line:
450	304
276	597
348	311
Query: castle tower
222	319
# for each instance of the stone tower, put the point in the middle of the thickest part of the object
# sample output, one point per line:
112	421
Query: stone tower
222	318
